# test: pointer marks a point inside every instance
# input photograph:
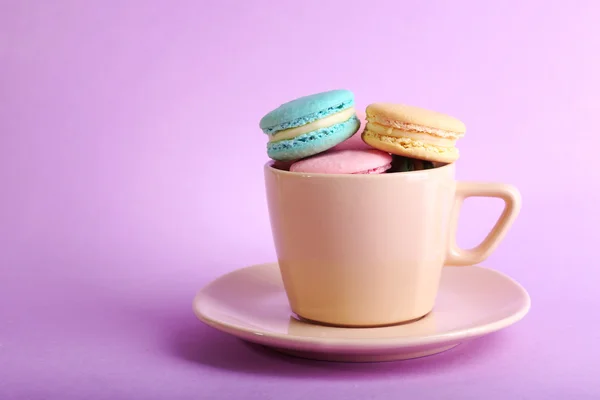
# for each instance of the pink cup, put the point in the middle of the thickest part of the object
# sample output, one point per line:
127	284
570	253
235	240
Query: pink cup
368	250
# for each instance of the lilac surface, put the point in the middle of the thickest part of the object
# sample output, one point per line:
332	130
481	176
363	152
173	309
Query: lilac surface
118	202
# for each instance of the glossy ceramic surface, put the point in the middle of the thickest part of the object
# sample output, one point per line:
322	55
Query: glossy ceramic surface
251	304
368	250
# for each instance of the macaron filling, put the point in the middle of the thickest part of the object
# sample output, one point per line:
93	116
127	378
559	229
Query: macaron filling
414	135
325	122
313	142
405	126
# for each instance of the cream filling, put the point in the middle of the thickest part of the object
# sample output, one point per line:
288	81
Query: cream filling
375	119
326	122
414	135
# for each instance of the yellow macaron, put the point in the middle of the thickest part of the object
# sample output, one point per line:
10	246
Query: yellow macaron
413	132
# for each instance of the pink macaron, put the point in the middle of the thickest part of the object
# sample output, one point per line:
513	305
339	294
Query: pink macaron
369	161
355	141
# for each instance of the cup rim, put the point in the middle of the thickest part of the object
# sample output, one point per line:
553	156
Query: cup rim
269	166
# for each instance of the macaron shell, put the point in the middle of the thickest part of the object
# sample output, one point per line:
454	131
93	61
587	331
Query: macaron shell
312	143
412	149
415	115
355	141
345	162
306	109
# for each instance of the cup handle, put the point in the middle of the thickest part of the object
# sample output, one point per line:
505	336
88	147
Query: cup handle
512	205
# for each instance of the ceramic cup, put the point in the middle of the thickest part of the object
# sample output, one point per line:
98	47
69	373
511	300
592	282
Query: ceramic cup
368	250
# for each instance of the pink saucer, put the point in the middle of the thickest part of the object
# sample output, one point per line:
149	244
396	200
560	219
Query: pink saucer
250	303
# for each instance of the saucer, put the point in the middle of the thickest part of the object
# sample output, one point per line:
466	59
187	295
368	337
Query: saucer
250	303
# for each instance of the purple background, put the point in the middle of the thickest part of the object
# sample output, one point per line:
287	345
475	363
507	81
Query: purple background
131	173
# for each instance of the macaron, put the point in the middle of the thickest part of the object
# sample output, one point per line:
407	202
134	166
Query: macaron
405	164
282	165
355	141
310	125
413	132
345	162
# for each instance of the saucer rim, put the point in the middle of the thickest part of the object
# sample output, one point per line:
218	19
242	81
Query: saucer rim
290	341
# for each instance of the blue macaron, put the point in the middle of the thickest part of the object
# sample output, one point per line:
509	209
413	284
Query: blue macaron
310	125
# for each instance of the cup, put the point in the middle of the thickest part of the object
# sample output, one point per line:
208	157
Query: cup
368	250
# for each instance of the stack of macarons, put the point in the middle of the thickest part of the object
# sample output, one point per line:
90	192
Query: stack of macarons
324	133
